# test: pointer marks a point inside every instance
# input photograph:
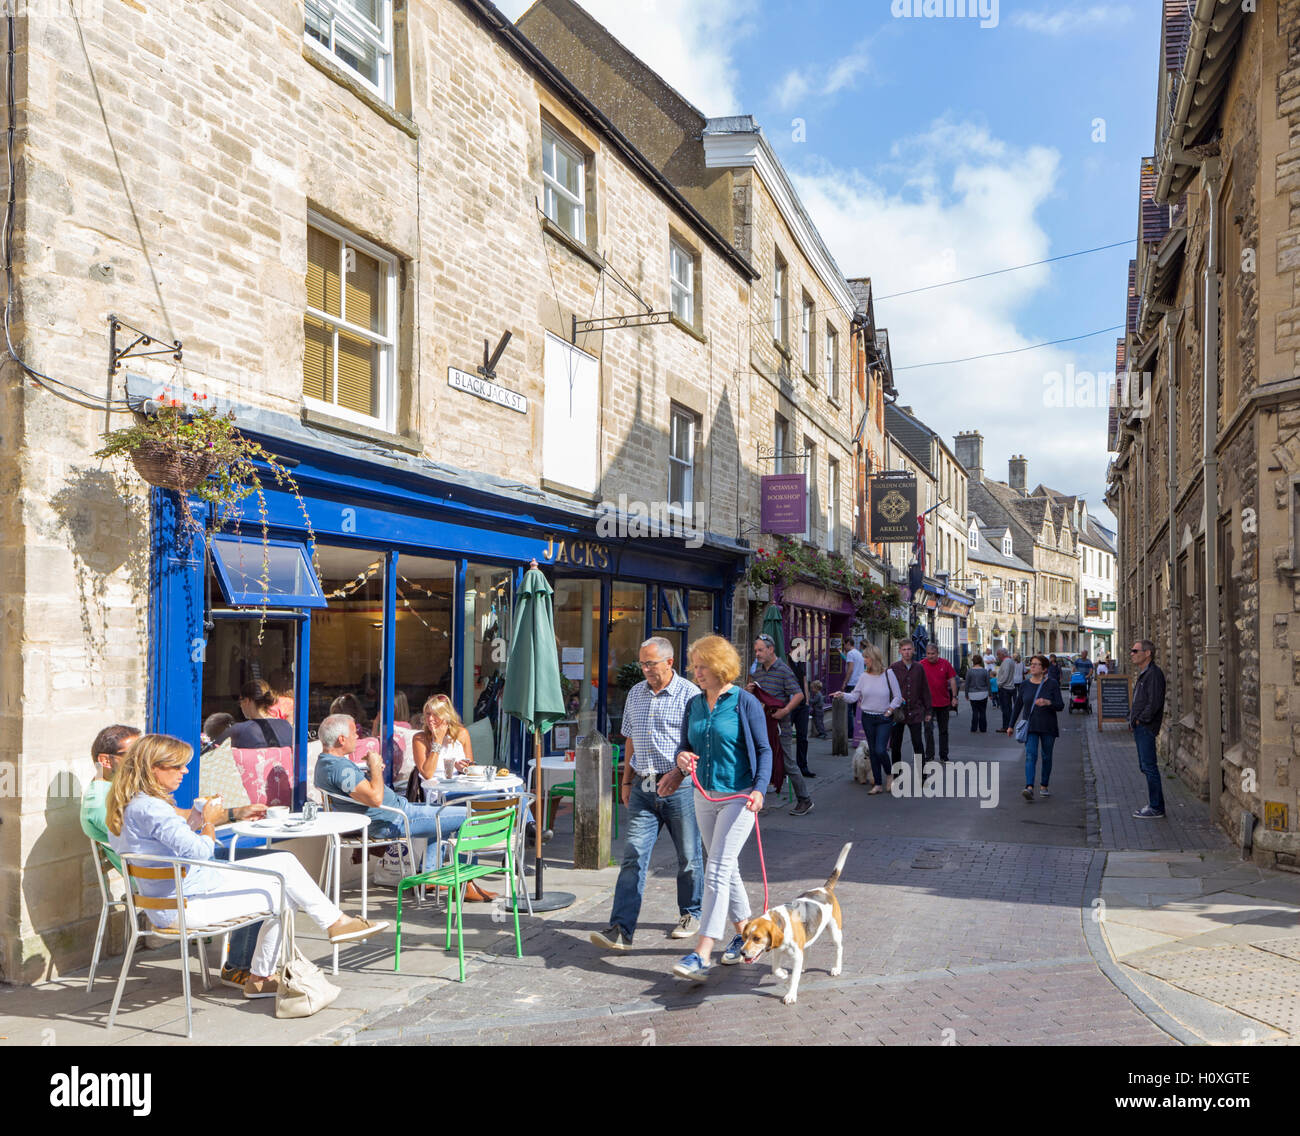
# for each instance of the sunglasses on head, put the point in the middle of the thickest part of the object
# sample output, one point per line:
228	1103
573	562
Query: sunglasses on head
767	639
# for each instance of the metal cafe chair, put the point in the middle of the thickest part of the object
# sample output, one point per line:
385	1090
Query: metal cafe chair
146	866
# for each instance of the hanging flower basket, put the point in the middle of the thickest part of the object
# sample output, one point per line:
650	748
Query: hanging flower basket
165	467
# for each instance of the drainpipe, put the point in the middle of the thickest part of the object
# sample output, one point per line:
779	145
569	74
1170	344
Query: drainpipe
1213	173
1171	370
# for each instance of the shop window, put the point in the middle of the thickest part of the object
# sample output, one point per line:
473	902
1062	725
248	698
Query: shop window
424	632
564	184
278	574
347	640
627	622
488	621
359	35
701	618
577	635
350	326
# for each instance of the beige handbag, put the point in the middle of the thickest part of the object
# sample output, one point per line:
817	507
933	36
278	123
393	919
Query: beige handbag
304	990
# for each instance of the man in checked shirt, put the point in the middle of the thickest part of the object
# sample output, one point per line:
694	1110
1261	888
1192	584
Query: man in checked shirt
652	723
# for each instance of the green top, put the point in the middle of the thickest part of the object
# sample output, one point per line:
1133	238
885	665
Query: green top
94	807
715	736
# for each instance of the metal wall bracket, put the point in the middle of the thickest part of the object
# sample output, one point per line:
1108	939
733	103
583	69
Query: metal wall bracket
610	323
142	340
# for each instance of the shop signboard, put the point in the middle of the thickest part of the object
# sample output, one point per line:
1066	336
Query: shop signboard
784	506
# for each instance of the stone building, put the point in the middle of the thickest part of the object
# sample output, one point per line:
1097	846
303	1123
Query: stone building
1042	532
941	599
333	217
806	365
1205	480
1002	584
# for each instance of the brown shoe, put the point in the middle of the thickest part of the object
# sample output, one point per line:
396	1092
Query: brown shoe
350	927
476	894
261	987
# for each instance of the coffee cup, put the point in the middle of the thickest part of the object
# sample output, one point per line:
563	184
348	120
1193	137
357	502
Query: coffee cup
277	812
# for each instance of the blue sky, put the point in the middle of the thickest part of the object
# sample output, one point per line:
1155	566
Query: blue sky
935	148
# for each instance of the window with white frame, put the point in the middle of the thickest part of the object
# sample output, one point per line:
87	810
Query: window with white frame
681	461
832	504
359	35
995	593
806	336
780	440
681	273
564	184
1024	596
973	538
1006	544
350	326
778	301
832	363
810	479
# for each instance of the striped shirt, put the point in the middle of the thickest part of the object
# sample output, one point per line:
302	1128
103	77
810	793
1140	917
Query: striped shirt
653	723
779	680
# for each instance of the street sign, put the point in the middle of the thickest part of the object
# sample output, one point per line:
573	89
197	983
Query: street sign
1108	605
486	389
1115	694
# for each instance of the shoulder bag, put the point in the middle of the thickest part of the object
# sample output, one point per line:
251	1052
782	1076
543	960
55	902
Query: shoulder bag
899	713
1022	726
303	989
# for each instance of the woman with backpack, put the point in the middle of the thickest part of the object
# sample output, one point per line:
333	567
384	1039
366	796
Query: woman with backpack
1037	702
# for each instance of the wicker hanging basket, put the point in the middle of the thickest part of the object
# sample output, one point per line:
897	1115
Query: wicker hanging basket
169	468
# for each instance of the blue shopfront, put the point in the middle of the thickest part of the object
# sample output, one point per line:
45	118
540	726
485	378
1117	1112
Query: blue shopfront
402	589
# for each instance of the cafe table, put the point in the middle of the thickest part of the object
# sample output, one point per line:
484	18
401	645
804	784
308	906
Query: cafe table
332	826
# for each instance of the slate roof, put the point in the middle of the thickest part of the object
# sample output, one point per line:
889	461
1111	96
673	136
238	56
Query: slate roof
912	434
990	548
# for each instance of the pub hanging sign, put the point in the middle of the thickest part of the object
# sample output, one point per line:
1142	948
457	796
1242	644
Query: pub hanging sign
893	510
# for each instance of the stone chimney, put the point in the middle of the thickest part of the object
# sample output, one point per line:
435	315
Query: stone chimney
969	448
1018	471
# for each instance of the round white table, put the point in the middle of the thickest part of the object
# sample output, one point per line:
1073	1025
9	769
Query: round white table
332	826
448	788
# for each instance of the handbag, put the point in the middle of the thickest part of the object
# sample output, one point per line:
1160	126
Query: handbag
303	989
1022	726
899	713
415	788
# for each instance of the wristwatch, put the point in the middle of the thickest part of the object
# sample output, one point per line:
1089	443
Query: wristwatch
230	815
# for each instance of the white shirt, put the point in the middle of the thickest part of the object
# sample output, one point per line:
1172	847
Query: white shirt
1102	669
879	694
856	664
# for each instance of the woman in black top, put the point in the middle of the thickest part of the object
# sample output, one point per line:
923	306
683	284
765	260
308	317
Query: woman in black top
1039	700
258	731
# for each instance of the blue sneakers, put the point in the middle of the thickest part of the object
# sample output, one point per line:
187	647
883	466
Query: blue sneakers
693	967
734	953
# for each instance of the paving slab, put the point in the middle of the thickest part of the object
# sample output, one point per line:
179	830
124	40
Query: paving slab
1125	939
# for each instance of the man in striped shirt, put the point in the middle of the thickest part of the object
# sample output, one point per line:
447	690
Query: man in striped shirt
775	677
652	724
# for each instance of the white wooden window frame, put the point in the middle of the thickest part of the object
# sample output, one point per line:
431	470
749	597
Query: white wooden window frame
973	539
832	503
806	335
832	363
551	186
682	417
1006	546
379	37
681	285
387	341
779	269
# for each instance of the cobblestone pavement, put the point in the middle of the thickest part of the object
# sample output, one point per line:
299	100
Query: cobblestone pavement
962	926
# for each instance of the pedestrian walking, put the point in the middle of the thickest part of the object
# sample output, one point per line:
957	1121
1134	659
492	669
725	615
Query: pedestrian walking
1054	669
878	694
1006	679
817	708
853	664
652	723
1038	699
724	741
1144	718
977	694
800	718
1019	675
916	703
942	678
774	677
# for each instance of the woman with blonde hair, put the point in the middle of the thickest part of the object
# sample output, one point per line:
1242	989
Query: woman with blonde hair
443	744
141	817
878	692
724	742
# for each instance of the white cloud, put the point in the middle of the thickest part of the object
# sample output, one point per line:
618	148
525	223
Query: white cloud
822	82
688	42
966	203
1064	21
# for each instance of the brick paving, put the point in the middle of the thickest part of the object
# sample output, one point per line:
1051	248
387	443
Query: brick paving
1110	758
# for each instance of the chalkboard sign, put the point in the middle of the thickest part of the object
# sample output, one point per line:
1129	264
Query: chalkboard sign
1114	700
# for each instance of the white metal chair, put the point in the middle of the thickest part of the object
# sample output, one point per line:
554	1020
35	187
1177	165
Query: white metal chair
103	865
146	866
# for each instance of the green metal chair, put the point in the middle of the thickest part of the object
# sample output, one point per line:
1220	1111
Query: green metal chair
482	831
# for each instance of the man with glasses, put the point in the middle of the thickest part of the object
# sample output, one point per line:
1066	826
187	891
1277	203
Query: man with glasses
652	724
1144	719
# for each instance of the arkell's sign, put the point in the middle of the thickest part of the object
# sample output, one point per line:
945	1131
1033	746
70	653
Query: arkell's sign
893	510
486	389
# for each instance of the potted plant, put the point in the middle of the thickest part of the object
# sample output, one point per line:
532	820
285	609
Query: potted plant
194	448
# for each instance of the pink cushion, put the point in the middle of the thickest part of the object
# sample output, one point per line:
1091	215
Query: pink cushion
267	774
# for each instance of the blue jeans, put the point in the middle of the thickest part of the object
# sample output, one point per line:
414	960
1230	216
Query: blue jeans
240	946
1146	747
877	727
1033	743
647	815
425	821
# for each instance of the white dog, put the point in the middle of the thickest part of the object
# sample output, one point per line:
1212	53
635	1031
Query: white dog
862	764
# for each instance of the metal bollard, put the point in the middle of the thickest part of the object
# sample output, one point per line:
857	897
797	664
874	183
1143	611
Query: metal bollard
593	802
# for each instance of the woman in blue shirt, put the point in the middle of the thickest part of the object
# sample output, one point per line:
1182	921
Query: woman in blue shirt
141	818
724	740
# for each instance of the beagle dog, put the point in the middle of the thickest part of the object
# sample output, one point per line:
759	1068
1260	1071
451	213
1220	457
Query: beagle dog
789	930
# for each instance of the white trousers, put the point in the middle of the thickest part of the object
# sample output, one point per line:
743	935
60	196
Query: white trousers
233	894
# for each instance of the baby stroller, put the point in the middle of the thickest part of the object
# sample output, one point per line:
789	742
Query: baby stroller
1080	684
